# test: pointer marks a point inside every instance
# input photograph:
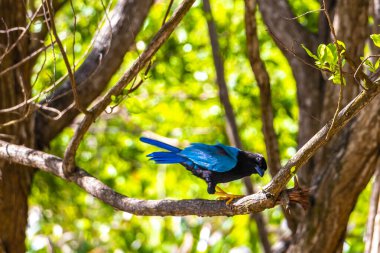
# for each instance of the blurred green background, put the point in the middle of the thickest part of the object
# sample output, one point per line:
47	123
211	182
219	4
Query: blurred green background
178	100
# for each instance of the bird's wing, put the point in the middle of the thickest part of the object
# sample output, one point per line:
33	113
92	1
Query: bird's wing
217	157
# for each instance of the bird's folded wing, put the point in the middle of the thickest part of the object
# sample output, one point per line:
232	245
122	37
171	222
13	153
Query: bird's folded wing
219	158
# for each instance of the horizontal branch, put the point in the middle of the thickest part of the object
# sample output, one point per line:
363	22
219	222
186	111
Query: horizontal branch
250	204
200	207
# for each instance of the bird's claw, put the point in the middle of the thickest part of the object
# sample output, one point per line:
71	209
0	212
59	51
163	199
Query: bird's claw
226	196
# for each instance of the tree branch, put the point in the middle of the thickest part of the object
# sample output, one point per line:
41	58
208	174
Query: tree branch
161	36
263	81
310	84
276	14
73	83
319	139
250	204
231	125
92	77
53	164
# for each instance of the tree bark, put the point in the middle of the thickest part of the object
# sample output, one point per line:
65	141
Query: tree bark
231	125
289	35
346	164
15	180
93	76
344	167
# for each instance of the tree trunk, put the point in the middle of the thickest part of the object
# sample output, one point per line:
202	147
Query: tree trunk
344	167
36	130
341	170
15	180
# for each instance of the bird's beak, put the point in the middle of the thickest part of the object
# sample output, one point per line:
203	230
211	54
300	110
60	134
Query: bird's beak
259	170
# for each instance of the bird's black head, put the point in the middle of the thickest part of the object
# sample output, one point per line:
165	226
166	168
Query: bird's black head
252	161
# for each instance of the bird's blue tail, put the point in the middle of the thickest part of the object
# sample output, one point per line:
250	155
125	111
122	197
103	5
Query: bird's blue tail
164	157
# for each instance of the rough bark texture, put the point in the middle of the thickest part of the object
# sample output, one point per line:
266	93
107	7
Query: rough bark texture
15	180
310	85
102	62
231	125
337	174
343	168
92	76
347	163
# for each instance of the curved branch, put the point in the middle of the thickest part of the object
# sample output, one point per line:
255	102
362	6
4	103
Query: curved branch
231	125
277	16
53	164
319	139
263	81
93	75
250	204
157	41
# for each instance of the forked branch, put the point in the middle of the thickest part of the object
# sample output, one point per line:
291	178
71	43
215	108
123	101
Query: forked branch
250	204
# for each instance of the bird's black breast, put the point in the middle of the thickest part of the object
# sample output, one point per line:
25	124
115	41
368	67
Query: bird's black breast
244	167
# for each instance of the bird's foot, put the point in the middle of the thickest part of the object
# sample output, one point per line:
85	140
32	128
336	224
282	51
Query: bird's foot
226	196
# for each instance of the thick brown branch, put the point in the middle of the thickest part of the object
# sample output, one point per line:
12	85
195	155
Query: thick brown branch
319	140
231	125
250	204
262	79
53	164
92	77
161	36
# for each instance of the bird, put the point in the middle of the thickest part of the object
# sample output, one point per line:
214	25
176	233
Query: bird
213	163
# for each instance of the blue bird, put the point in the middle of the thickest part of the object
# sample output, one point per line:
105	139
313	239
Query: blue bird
212	163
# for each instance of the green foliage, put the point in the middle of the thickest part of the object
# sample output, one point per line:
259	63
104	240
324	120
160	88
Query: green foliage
327	59
179	100
371	65
376	39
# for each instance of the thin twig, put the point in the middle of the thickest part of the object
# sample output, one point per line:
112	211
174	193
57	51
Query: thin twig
361	63
66	61
167	12
338	49
9	49
25	59
303	14
74	32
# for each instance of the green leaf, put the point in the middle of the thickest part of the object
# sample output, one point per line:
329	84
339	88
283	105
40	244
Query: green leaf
376	39
341	43
309	52
377	64
331	54
321	53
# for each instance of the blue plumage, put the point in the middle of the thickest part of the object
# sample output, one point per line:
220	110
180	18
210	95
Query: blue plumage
219	158
213	163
